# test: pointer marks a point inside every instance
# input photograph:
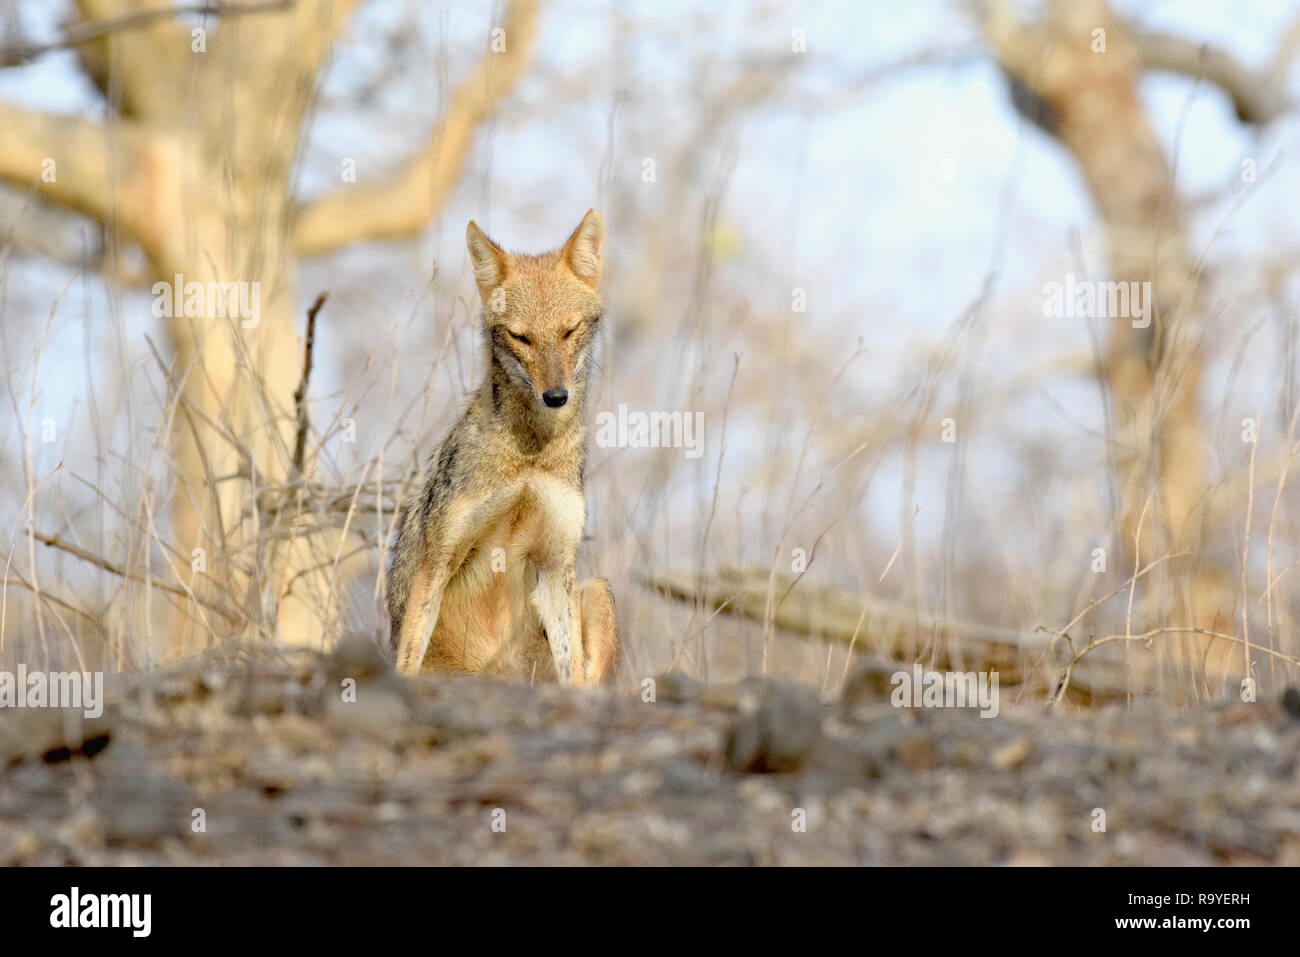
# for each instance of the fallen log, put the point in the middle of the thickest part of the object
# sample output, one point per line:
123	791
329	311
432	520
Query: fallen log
897	632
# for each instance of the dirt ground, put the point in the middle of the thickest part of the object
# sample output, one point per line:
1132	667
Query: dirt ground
254	761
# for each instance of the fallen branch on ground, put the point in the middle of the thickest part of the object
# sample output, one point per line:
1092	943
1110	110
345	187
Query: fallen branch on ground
895	631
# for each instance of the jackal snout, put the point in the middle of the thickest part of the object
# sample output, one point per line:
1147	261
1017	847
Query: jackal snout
541	312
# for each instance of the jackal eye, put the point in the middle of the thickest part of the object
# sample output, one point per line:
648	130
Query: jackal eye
518	338
571	331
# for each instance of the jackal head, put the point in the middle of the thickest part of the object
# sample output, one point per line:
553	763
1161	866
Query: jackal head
540	312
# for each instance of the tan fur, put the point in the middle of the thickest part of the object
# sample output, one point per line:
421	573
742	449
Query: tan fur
482	577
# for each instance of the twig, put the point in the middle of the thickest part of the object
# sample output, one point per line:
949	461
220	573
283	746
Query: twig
1057	635
1268	547
300	394
1245	548
75	550
24	52
1132	586
1147	636
916	510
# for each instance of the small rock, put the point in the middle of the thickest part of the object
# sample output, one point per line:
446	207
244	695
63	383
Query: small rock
137	802
871	680
1028	858
781	733
53	734
916	752
1291	701
17	845
677	688
1012	754
81	831
377	713
213	680
262	698
358	657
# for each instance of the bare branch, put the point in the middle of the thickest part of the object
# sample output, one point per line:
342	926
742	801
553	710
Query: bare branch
1255	96
23	52
405	202
64	161
300	394
76	551
837	616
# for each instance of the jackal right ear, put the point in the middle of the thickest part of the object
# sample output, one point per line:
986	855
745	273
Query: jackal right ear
582	251
488	258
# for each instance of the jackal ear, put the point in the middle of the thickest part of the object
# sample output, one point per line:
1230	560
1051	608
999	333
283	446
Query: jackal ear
582	251
488	258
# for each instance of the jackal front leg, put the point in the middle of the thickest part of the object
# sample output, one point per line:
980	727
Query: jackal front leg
456	533
599	631
422	608
556	600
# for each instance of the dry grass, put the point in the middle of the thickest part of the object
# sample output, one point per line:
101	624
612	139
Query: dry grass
805	450
111	599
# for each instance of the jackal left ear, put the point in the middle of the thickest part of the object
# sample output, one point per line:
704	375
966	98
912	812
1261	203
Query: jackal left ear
582	251
488	258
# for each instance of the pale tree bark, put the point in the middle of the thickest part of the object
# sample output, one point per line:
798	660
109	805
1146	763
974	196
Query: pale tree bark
1075	72
195	166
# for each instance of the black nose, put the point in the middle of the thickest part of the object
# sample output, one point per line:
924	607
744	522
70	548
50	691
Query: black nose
555	397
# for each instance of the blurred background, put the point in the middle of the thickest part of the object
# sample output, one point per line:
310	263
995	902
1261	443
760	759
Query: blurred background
832	232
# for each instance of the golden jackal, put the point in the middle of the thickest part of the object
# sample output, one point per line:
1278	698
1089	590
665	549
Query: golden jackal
482	576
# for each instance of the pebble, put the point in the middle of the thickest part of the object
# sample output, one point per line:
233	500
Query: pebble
1012	754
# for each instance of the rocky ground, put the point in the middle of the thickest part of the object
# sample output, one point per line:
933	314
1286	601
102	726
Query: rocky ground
256	761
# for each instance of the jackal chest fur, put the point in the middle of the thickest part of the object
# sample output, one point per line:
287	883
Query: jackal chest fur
489	622
536	519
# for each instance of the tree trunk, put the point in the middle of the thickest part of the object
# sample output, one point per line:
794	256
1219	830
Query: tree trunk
1078	68
196	168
